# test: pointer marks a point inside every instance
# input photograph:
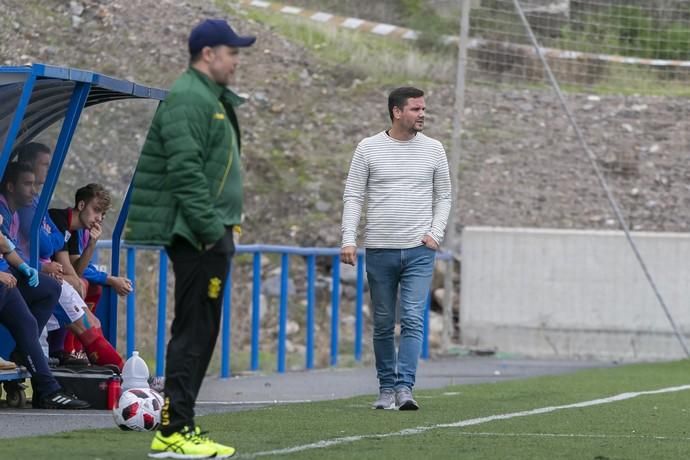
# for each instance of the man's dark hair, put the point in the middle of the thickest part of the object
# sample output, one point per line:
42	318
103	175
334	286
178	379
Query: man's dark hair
197	55
28	153
93	192
12	173
399	96
194	58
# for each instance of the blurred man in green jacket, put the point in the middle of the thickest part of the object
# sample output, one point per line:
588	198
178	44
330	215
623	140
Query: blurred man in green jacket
187	197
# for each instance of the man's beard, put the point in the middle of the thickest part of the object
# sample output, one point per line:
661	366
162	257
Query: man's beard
415	130
222	80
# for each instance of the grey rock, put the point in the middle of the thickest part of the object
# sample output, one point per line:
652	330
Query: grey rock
323	206
348	274
349	292
292	327
271	287
76	22
76	8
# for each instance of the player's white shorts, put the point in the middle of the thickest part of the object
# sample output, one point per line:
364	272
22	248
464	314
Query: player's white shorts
69	309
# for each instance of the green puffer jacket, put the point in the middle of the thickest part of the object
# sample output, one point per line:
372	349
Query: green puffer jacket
188	181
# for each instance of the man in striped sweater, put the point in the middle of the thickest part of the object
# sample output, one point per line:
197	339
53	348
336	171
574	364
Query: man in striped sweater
404	177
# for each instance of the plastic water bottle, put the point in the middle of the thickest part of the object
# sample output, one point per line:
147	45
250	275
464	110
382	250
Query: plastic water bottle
135	373
114	392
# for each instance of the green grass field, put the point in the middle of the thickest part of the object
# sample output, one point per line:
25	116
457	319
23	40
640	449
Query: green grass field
642	426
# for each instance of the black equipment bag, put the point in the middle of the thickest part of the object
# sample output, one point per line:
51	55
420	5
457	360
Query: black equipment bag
98	385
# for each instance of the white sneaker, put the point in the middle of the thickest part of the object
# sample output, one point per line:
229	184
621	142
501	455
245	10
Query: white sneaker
404	399
7	365
386	400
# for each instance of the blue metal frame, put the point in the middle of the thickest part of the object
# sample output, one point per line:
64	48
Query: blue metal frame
311	304
162	310
359	306
283	312
256	310
131	302
22	104
109	88
335	309
226	331
80	96
107	311
69	126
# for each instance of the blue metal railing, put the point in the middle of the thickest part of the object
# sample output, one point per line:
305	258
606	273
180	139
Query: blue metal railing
285	252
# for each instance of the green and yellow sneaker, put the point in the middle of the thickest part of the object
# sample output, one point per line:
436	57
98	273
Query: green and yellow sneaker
222	451
182	444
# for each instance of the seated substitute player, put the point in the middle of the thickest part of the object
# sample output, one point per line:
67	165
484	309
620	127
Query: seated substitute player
23	324
18	191
81	226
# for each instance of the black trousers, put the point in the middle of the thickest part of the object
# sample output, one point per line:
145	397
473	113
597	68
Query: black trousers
199	282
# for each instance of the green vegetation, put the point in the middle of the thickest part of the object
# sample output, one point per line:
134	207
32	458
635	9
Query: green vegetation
648	426
633	33
395	60
624	30
627	31
419	15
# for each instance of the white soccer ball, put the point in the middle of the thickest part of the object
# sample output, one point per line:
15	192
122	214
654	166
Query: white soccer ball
138	409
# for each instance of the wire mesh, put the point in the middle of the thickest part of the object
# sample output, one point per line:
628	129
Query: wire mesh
623	66
520	154
588	42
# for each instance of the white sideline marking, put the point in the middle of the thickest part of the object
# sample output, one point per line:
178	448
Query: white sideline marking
321	17
56	413
352	23
249	403
462	423
574	435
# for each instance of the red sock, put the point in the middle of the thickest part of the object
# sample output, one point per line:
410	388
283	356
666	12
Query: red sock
69	342
99	350
72	344
93	296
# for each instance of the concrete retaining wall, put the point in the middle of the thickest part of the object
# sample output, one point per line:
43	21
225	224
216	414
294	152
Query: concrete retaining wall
573	293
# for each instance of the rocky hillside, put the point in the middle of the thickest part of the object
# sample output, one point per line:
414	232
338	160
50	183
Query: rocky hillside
296	146
520	165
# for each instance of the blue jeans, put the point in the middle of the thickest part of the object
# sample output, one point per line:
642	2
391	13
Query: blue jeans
22	324
410	271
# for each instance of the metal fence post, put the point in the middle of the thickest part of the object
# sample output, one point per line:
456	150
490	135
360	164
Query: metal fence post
335	304
162	311
283	313
256	310
359	306
311	300
131	302
226	334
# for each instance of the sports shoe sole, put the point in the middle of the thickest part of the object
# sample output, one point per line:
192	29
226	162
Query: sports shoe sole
409	405
180	456
392	406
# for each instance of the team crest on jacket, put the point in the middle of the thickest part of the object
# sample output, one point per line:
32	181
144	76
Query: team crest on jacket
214	285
